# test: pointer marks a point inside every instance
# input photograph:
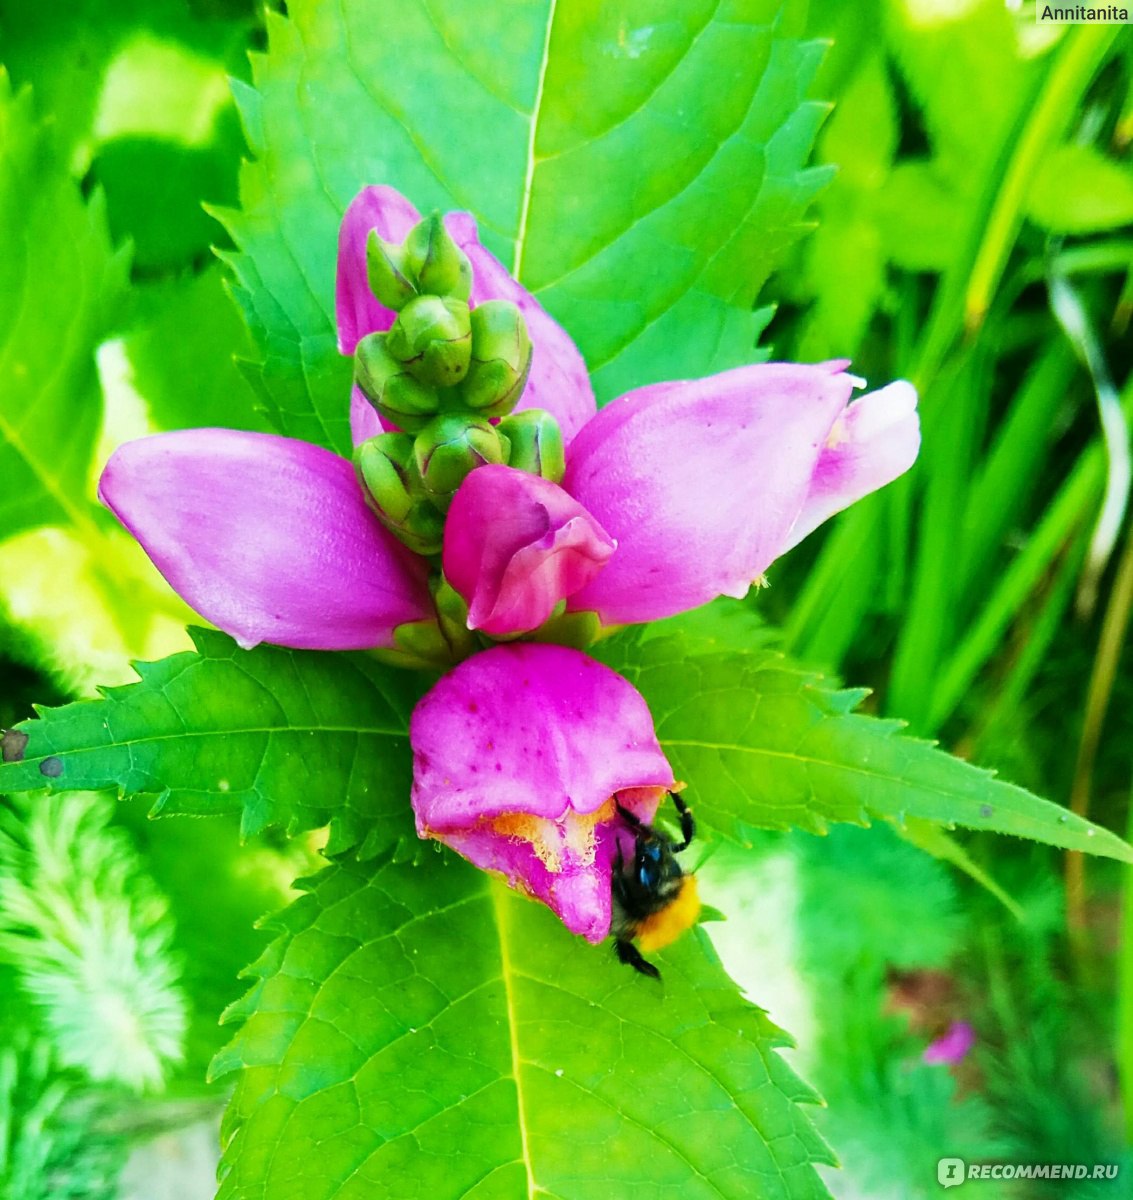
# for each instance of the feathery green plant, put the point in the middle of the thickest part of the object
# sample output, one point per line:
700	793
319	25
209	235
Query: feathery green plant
89	940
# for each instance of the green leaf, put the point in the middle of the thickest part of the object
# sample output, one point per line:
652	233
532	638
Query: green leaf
425	1031
60	288
639	167
933	840
115	605
964	68
293	738
192	333
1078	190
765	744
844	259
81	67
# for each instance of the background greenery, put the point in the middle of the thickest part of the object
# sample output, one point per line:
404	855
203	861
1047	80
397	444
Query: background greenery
974	237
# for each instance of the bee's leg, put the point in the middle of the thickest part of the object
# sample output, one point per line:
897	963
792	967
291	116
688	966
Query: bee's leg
629	954
688	825
634	822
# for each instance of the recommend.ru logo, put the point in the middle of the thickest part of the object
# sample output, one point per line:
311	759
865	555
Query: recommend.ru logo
950	1172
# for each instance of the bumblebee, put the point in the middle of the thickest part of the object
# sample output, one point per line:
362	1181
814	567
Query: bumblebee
654	901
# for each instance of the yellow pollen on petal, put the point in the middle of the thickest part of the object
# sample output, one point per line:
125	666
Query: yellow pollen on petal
580	836
573	839
537	831
667	925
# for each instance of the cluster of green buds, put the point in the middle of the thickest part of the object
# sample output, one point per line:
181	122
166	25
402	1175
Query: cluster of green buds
442	374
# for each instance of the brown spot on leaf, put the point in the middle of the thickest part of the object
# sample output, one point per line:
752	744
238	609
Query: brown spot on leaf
13	743
51	767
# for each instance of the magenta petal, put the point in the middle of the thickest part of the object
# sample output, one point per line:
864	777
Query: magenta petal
515	545
872	443
266	537
559	382
700	483
356	308
365	422
517	754
952	1046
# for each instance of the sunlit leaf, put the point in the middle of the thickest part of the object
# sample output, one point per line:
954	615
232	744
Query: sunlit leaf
290	738
1078	190
422	1030
61	287
764	744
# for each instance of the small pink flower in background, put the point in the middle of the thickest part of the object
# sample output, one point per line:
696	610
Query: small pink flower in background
952	1046
673	495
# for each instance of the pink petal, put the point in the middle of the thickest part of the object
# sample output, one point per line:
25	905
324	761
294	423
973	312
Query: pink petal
365	420
558	382
700	483
872	443
517	754
515	545
266	537
357	309
952	1046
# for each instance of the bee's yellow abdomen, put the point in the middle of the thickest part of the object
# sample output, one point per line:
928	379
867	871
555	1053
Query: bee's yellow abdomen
667	925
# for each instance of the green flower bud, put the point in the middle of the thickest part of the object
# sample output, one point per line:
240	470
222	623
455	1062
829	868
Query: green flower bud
452	617
390	388
440	266
419	644
391	278
432	337
536	443
577	629
387	469
451	446
383	465
501	358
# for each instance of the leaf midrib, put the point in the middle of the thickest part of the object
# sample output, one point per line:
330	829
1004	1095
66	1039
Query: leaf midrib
533	128
183	735
499	910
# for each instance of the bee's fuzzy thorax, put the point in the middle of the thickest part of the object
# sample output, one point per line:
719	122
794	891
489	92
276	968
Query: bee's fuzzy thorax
665	926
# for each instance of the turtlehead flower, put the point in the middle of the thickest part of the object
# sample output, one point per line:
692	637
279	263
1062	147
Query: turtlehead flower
699	485
519	755
670	496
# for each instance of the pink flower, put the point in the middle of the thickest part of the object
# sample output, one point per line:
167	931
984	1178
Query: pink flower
952	1046
518	755
701	485
673	494
515	545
